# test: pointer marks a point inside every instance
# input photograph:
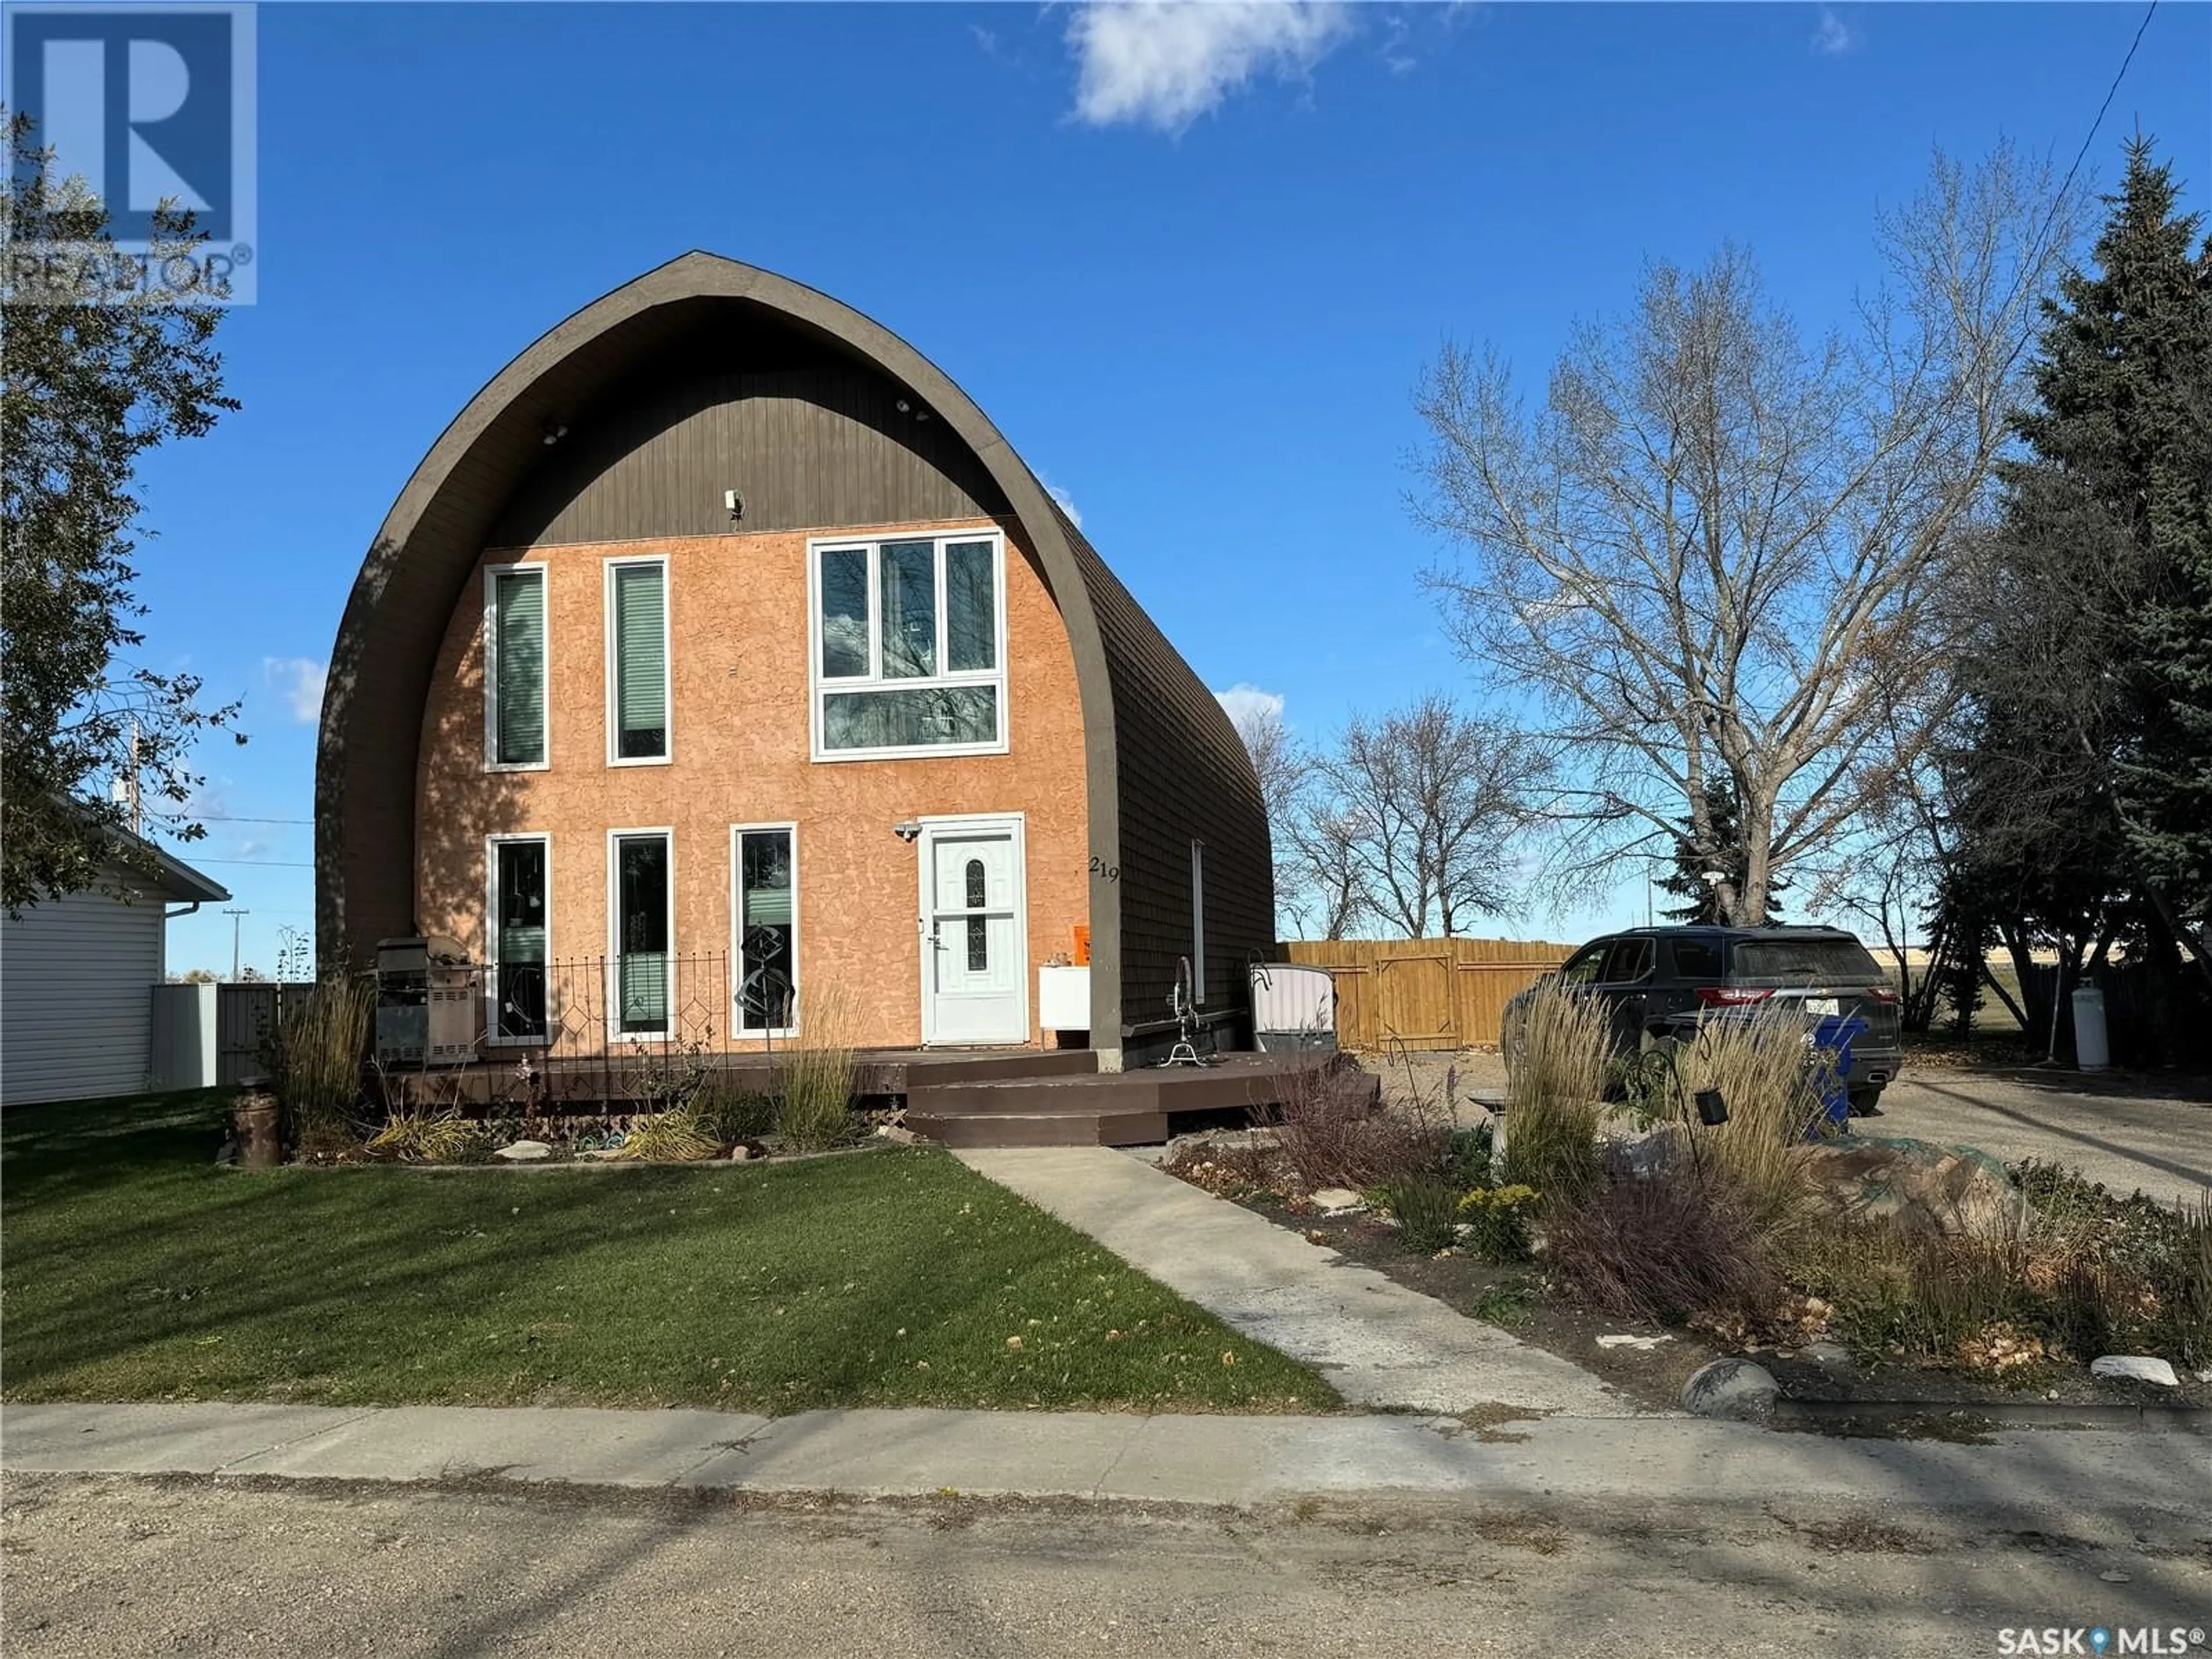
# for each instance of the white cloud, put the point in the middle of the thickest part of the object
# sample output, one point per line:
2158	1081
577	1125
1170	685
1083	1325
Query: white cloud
1063	500
1835	37
1247	703
301	680
1166	63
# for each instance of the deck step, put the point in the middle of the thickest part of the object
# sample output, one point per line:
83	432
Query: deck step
1060	1128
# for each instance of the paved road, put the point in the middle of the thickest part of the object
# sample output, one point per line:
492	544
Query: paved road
2126	1134
106	1565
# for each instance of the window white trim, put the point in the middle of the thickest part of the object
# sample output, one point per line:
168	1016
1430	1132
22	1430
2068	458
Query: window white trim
817	687
615	757
616	1033
738	1030
492	844
492	575
933	825
1198	923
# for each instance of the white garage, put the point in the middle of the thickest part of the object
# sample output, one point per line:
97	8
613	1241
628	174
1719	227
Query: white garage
77	979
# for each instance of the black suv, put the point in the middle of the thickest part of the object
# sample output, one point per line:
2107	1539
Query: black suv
1658	982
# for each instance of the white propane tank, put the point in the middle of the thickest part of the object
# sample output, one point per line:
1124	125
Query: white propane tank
2093	1049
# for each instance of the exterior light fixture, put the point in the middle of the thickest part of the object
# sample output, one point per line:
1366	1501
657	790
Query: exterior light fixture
1712	1110
906	829
554	433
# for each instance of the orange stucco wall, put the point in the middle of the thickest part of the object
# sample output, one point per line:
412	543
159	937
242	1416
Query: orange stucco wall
738	639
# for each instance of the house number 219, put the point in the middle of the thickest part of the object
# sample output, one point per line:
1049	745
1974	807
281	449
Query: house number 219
1100	867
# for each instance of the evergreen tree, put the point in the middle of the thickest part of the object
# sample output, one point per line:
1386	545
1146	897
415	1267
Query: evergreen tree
2082	786
1693	877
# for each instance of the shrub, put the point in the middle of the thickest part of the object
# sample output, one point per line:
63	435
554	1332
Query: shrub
2184	1286
1335	1135
425	1136
732	1115
1426	1206
1497	1221
1663	1249
1562	1055
314	1058
818	1076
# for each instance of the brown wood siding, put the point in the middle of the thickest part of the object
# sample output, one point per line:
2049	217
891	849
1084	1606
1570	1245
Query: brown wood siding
801	447
1184	775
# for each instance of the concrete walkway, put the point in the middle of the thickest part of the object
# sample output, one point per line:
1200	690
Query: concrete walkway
1380	1344
1216	1460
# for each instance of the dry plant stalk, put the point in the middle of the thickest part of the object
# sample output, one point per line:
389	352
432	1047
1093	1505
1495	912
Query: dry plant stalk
1758	1061
1553	1089
423	1137
817	1075
315	1055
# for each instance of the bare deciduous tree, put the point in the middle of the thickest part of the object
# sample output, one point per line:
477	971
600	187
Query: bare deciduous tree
1712	549
1427	804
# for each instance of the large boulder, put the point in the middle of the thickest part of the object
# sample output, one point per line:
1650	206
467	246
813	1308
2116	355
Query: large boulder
1918	1185
1736	1388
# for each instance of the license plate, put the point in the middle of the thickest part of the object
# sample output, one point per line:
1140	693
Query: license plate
1821	1006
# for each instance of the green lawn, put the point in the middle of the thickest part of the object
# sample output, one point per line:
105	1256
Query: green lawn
136	1270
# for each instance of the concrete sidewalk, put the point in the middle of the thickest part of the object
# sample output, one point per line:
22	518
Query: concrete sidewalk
1379	1343
2043	1478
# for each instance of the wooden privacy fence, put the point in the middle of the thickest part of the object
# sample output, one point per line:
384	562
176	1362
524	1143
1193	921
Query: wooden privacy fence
1424	993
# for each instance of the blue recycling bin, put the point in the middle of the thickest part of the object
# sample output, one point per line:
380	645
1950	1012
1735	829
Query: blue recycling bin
1832	1037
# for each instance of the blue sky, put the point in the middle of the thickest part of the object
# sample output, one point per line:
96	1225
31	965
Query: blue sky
1190	262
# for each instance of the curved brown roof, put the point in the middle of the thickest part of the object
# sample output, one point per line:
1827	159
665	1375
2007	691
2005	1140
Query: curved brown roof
1158	749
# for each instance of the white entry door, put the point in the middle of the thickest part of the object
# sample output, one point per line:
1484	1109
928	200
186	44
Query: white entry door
974	955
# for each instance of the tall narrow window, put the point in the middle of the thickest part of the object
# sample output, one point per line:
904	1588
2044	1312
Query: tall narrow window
641	933
514	667
518	942
979	929
637	638
767	931
1198	922
907	647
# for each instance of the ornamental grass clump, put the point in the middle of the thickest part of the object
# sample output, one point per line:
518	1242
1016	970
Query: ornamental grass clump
816	1112
1562	1055
425	1136
1757	1062
314	1058
676	1136
1330	1128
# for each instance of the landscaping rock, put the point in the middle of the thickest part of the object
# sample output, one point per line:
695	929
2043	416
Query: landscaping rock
1735	1388
524	1151
903	1136
1338	1200
740	1152
1621	1340
1828	1356
2135	1368
1644	1157
1922	1187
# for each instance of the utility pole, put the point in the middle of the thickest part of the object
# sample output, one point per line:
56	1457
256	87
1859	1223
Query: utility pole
236	917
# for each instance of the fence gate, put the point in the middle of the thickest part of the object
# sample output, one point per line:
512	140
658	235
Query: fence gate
1424	993
245	1017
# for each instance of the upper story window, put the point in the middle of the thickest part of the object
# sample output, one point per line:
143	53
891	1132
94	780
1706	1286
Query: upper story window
515	666
637	661
908	647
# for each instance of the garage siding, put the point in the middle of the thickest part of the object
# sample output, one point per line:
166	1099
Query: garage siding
76	1004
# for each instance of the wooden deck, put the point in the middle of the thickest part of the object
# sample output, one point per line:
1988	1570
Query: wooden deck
1099	1108
959	1097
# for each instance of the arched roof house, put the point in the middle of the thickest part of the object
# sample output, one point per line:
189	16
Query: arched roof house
722	621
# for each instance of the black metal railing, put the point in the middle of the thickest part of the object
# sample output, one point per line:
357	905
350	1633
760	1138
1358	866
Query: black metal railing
612	1029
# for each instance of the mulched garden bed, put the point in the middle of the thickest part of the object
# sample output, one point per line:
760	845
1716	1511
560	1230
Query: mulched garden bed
1820	1374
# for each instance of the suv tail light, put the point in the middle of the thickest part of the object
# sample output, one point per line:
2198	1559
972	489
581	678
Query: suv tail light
1880	993
1729	996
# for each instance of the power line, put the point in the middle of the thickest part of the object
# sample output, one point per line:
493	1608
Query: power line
225	817
2110	92
265	864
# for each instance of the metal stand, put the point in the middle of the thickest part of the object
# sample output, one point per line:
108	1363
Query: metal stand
1185	1052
